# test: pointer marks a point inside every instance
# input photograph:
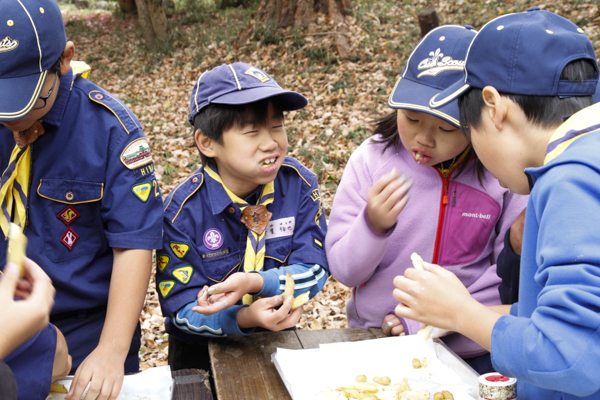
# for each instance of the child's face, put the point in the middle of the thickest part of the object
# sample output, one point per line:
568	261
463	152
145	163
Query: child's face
251	155
430	140
39	110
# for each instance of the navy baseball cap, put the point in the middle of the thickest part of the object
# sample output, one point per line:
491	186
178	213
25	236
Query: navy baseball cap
525	54
32	39
436	62
239	83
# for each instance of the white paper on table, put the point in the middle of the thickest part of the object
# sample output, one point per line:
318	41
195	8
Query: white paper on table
308	372
151	384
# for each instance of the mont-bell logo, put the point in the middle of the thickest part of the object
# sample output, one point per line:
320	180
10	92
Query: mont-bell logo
437	63
8	44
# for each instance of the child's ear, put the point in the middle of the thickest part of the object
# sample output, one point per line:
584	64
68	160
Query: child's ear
67	57
204	143
495	106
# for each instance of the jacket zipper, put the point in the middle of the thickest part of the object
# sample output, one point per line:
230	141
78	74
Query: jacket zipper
444	201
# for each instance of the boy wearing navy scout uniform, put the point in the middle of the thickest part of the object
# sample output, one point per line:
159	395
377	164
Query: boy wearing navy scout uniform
234	228
78	179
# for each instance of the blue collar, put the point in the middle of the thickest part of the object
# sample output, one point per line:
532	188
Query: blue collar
219	200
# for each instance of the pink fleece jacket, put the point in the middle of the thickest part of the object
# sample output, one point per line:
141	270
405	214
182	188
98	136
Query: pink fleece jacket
467	233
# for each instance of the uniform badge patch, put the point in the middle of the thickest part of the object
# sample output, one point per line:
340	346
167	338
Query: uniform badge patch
144	172
162	261
258	74
136	154
179	249
183	274
165	287
69	238
68	215
142	191
213	239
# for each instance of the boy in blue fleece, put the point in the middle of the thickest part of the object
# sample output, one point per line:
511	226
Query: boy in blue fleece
525	74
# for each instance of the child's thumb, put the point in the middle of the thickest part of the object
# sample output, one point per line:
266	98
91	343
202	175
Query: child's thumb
9	280
429	267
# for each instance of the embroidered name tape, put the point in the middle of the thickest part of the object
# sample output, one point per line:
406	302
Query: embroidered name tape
280	228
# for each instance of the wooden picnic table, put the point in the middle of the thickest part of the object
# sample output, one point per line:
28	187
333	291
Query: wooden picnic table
242	366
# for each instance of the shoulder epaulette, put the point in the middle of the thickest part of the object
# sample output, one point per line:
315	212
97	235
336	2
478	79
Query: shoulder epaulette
120	110
300	169
181	193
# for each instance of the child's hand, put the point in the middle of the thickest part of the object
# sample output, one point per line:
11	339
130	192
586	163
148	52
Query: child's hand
386	199
223	295
434	296
392	326
263	313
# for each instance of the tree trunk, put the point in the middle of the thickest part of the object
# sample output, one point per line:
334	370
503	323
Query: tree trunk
146	24
298	13
158	18
127	6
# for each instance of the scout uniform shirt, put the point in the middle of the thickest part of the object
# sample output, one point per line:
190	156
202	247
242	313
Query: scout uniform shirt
91	188
205	242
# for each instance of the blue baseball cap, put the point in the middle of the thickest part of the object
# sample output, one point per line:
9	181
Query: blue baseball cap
436	62
524	54
239	83
32	39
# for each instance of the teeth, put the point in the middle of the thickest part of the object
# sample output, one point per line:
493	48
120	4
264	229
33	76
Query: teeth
268	162
418	156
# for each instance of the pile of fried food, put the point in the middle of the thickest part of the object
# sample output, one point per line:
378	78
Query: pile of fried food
381	389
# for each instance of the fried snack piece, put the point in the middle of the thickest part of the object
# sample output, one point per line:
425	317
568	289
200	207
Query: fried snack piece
289	287
361	378
416	363
447	395
417	261
58	388
383	380
414	395
300	300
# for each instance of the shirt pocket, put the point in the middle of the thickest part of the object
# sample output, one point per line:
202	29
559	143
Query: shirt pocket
470	221
73	224
219	268
277	252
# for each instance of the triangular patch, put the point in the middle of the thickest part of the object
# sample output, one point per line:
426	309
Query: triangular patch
142	191
183	274
162	260
179	249
165	287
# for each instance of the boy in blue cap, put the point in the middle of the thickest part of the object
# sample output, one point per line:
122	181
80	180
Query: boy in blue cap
525	74
78	179
245	219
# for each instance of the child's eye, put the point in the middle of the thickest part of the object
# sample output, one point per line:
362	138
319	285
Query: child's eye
278	126
251	132
447	130
412	120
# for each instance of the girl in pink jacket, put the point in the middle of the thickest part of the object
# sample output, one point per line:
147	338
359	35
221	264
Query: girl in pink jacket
457	214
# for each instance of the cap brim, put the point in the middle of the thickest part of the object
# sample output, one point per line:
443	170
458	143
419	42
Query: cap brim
289	101
452	92
408	94
23	94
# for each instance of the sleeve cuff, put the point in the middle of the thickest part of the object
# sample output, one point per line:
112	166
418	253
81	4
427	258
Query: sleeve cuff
229	322
271	283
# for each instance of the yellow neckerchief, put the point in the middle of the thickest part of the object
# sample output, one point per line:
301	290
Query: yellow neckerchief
255	244
14	188
455	162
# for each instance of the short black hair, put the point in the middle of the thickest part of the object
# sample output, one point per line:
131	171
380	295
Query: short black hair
543	111
55	68
214	119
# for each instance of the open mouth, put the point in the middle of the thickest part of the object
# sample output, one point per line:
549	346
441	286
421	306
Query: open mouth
269	162
420	158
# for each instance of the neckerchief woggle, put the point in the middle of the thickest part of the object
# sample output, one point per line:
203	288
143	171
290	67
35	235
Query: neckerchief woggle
256	219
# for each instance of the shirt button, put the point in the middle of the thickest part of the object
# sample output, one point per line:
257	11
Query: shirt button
231	210
69	196
195	180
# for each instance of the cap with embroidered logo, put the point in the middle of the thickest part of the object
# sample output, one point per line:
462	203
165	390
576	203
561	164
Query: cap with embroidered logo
524	54
239	83
436	62
32	39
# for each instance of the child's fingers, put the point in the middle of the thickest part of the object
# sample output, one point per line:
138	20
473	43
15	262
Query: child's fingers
385	180
9	281
216	289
